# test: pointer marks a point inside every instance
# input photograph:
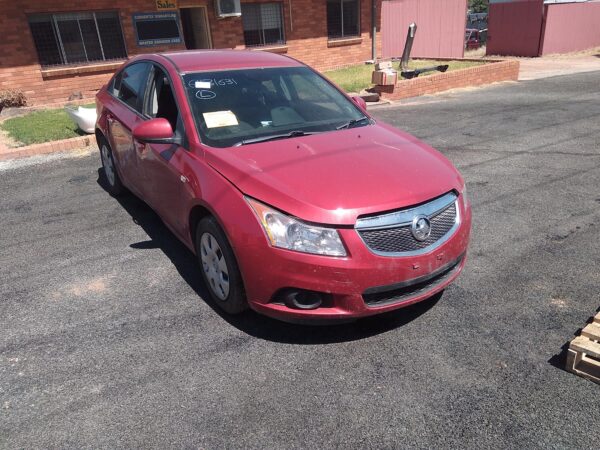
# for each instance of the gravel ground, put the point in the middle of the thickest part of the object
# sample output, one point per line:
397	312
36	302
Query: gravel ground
107	342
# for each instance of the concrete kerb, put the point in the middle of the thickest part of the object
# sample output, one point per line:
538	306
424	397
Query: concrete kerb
65	145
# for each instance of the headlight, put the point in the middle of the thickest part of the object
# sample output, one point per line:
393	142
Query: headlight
286	232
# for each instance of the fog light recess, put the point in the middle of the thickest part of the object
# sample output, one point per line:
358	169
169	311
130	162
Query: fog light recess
300	298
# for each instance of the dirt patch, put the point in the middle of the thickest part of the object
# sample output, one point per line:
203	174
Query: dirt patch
83	288
7	142
559	302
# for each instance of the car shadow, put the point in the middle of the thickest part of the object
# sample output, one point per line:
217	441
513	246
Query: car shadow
250	322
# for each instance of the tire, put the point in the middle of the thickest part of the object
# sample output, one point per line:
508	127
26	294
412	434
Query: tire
219	267
113	182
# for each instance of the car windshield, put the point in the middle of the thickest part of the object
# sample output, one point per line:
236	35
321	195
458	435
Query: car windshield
237	107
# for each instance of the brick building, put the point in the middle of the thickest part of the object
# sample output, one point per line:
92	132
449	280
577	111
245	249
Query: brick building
56	51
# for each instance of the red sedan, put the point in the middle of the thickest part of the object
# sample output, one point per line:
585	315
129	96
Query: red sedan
296	201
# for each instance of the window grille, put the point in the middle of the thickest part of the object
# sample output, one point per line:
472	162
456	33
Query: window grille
343	18
74	38
263	24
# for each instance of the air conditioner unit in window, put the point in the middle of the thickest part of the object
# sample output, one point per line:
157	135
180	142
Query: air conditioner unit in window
228	8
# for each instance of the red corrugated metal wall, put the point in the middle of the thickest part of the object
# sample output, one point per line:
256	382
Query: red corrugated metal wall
515	27
571	27
441	27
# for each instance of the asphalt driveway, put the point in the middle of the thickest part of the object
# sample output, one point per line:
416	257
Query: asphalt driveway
106	341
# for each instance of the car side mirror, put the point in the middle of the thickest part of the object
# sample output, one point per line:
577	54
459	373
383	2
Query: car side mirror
156	131
360	102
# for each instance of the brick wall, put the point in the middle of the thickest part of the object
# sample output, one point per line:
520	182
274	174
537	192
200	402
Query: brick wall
305	31
19	65
472	76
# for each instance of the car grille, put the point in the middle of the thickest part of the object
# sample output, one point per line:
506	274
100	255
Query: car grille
397	238
401	292
400	239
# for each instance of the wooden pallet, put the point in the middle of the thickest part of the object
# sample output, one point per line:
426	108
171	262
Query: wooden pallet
583	355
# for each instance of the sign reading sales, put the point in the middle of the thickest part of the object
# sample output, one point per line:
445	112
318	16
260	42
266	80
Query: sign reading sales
163	5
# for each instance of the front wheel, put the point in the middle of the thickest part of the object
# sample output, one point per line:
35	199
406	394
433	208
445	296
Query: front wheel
219	267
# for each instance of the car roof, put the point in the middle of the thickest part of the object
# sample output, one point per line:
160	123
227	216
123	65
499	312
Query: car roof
206	60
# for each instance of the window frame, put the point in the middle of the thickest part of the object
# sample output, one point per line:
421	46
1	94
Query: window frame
261	30
53	20
341	11
119	74
143	101
139	18
180	129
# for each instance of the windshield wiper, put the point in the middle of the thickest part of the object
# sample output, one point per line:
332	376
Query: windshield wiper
274	137
352	122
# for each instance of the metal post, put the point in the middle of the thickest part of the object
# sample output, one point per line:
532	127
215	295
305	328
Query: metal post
410	37
374	29
99	38
405	72
62	48
82	40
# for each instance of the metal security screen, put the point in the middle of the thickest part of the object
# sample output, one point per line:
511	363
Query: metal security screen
72	38
263	24
343	18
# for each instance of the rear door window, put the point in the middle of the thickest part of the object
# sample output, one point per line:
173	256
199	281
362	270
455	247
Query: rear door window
133	80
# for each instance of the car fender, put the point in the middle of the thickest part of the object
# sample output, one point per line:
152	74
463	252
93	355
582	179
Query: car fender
213	192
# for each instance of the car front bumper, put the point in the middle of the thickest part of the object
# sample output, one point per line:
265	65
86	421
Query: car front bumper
358	285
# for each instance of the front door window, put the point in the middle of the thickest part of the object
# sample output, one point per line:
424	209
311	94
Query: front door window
161	99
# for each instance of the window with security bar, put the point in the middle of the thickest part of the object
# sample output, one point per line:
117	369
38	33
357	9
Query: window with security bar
343	18
75	38
263	24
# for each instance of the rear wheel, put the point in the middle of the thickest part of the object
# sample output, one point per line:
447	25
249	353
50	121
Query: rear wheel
114	185
219	267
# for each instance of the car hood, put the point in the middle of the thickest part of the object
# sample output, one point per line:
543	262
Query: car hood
334	177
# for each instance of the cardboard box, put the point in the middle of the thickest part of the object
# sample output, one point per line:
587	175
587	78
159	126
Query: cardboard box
383	65
387	77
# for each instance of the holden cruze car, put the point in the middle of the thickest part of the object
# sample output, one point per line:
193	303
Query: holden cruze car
297	202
